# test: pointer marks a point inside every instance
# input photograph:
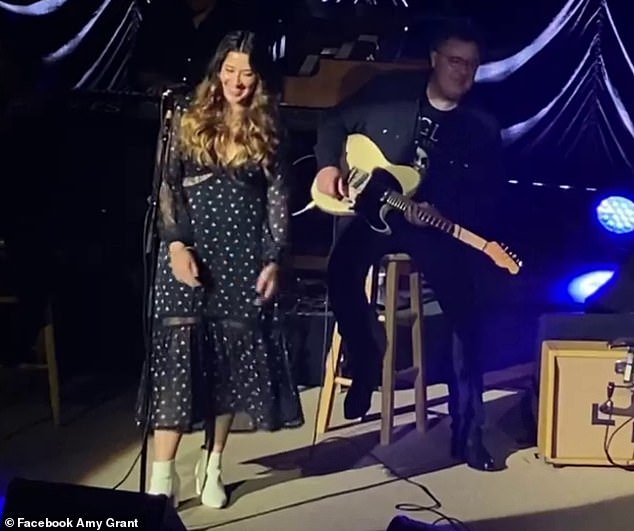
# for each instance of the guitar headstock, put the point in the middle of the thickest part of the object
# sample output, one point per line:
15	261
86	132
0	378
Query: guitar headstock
503	257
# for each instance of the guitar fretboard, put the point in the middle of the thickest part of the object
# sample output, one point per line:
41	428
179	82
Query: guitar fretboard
402	203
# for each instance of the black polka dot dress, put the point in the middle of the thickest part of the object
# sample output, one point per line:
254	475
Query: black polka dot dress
215	350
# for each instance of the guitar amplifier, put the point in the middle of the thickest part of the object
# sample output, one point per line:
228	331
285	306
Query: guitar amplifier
572	430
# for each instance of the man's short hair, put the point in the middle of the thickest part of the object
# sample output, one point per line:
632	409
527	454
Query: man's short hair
459	29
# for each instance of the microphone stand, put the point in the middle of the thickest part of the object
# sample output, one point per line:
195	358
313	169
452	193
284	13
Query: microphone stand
150	253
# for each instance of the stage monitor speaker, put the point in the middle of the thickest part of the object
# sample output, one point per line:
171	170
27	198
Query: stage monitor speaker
572	430
402	523
63	505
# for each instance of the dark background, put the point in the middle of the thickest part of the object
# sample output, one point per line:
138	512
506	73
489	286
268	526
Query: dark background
78	148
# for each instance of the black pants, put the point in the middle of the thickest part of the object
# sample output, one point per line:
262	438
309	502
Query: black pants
445	264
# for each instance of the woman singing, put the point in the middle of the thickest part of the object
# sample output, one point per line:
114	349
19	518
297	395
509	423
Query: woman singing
224	224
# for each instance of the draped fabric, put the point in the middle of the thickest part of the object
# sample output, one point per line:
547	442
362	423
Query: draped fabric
85	44
566	97
61	44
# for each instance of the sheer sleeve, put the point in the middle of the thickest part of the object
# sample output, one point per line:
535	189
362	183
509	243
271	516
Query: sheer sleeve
174	219
276	230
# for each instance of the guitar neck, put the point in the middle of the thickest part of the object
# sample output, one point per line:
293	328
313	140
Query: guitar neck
470	238
402	203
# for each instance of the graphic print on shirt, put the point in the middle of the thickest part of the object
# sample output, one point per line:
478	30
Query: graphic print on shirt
426	142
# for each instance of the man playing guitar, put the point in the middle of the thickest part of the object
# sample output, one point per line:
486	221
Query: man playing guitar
422	120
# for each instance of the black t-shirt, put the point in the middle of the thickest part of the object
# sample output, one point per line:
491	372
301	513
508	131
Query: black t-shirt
430	126
450	146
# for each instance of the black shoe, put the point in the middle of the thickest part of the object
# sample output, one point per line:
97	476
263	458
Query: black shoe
358	400
478	457
472	451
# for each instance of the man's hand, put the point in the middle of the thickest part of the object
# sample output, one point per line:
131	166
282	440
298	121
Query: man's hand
331	182
413	212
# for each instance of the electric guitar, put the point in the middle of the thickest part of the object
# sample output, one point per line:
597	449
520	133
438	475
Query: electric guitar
378	187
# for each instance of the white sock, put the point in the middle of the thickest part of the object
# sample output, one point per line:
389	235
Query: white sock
163	468
213	493
164	479
215	460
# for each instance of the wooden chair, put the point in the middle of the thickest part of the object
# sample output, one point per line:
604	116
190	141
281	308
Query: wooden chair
47	358
396	267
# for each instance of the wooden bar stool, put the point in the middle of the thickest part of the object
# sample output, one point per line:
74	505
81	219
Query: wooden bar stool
396	266
47	358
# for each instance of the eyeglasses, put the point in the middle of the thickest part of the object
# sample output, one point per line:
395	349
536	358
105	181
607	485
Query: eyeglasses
458	62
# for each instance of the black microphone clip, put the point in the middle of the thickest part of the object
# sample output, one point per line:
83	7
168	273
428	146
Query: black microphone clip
167	111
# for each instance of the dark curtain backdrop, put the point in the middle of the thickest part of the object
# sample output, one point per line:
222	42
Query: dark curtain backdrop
565	96
68	43
560	78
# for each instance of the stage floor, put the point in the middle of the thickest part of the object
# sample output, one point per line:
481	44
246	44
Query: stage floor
276	482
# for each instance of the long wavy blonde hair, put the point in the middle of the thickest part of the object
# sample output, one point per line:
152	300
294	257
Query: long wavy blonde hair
206	134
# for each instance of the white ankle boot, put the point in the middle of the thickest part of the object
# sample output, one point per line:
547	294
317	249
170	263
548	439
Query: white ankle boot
208	481
165	480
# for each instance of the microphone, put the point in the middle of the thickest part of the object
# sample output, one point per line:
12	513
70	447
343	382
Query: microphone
167	109
167	99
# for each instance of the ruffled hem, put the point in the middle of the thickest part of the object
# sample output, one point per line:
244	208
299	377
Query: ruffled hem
204	370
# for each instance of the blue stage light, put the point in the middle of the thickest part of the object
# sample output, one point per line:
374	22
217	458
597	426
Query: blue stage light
587	284
616	214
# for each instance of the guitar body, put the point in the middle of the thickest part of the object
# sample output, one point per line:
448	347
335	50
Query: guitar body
370	204
376	187
363	155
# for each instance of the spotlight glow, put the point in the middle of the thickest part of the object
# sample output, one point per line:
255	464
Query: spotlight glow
616	214
587	284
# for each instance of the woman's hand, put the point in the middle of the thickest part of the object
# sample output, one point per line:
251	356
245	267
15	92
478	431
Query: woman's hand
184	267
267	283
